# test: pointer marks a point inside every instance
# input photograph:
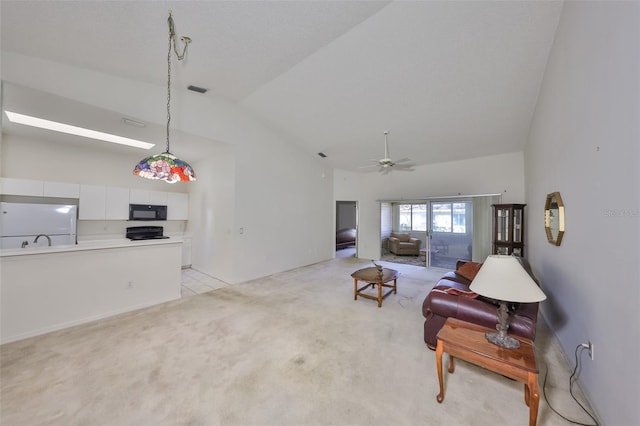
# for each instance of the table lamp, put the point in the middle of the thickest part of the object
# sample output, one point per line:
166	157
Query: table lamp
504	279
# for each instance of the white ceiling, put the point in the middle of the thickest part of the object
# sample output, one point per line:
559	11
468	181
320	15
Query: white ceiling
449	80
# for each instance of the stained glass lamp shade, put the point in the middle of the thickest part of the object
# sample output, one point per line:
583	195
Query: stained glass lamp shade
165	166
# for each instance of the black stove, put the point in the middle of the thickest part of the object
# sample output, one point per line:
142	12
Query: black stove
138	233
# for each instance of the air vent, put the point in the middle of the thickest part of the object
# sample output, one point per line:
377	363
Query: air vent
322	154
197	89
133	123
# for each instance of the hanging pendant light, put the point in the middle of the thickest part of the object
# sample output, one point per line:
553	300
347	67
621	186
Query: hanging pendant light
166	166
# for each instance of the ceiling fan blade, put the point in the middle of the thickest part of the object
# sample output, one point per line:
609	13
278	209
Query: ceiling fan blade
368	166
404	166
404	160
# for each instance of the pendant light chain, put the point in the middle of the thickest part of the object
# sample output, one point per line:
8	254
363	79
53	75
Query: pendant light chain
171	37
172	40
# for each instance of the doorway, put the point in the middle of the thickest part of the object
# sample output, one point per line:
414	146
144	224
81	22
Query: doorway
449	229
346	229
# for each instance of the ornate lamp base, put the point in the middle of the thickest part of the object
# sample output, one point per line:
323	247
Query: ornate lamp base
501	338
503	341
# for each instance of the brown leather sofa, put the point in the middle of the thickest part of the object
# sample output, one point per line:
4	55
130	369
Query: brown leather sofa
403	244
451	297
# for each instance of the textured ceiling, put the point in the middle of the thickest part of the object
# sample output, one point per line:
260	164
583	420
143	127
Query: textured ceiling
449	80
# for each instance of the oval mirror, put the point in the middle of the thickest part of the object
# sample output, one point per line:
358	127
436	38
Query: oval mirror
554	218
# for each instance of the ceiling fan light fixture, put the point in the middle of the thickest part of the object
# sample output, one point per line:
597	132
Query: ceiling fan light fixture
386	164
166	166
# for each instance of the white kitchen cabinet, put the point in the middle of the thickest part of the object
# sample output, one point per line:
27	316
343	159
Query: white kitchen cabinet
103	203
28	187
93	202
177	206
142	196
117	203
158	198
138	196
61	189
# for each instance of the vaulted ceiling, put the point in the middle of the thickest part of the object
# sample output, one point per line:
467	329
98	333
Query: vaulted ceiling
450	80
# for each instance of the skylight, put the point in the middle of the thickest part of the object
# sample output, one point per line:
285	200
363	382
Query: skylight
28	120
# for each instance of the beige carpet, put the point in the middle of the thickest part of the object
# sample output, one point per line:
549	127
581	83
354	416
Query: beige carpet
404	260
290	349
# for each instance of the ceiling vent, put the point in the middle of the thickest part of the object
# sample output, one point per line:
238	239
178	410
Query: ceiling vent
197	89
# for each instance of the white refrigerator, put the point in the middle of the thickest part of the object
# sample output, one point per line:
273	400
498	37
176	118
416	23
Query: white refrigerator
22	223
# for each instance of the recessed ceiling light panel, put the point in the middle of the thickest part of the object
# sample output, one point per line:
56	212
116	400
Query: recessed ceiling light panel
55	126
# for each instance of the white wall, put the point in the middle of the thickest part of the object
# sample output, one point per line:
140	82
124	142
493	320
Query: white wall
211	206
584	142
284	206
502	174
31	158
280	198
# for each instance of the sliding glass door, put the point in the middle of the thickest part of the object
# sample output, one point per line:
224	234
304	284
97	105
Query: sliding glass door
451	232
450	229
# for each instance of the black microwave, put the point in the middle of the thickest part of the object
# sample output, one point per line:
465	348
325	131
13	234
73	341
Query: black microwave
147	212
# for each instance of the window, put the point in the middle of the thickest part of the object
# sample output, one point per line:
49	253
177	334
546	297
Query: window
449	217
413	217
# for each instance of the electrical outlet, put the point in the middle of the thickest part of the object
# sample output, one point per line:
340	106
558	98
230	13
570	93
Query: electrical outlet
588	346
130	284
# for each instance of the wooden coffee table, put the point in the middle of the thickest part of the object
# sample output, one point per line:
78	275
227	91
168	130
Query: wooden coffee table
466	341
373	278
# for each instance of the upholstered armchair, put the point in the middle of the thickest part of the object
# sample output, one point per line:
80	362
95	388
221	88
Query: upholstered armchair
403	244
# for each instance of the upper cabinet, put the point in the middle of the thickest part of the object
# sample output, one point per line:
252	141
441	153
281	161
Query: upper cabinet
11	186
140	196
99	202
103	203
117	203
93	202
60	189
38	188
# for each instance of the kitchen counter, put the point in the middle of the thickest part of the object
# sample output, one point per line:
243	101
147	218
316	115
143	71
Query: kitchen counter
89	245
44	289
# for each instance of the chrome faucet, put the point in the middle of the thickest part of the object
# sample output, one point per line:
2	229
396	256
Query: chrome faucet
43	235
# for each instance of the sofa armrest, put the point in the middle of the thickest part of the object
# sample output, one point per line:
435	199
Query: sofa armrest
415	241
459	263
441	303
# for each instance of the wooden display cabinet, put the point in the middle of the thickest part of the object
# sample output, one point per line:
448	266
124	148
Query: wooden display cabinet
508	229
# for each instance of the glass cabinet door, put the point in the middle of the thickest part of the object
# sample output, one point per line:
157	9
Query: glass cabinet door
502	225
517	226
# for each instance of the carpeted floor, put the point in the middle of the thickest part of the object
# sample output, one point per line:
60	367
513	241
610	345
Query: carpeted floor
404	260
293	348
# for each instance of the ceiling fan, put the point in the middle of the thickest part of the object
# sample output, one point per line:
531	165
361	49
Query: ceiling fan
386	164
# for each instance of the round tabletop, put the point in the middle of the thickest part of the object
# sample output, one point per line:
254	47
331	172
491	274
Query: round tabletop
373	275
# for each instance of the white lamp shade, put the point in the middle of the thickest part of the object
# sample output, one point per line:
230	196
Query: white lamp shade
503	278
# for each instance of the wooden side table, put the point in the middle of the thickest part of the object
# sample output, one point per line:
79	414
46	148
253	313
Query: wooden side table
466	341
374	278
